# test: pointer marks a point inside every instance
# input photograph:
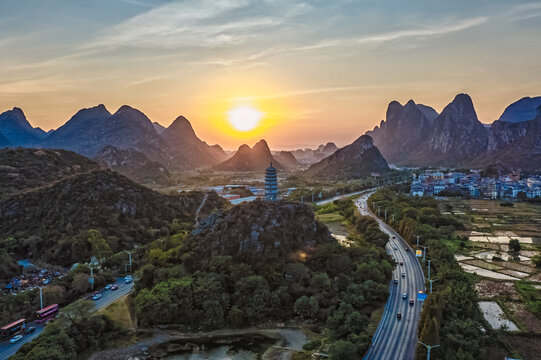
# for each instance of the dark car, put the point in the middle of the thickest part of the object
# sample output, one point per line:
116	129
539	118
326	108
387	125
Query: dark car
403	275
411	301
407	248
396	281
114	287
399	316
401	263
30	329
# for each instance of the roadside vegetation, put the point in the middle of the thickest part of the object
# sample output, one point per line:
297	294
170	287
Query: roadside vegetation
451	317
74	334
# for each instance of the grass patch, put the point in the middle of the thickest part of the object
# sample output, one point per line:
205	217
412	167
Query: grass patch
531	296
328	218
122	312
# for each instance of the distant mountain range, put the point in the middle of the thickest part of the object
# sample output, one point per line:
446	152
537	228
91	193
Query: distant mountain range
92	129
311	156
357	160
256	158
412	134
416	135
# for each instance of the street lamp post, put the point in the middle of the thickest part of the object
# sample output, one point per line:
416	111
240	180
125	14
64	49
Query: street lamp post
129	254
41	298
429	261
91	276
424	252
418	236
428	348
431	281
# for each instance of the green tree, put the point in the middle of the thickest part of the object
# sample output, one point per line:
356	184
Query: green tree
514	245
343	350
306	307
100	247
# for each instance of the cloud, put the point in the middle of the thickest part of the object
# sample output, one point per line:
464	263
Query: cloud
195	23
427	32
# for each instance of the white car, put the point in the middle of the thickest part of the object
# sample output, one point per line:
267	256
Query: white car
128	279
108	286
96	297
15	339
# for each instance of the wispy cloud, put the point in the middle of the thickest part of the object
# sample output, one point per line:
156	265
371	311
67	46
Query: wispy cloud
427	32
193	23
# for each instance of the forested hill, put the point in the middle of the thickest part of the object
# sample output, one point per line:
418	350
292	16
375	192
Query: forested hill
259	229
25	169
268	261
48	221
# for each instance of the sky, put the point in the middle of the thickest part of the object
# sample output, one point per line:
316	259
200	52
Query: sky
317	70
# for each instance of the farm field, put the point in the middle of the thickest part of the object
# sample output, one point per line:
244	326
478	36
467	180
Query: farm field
508	282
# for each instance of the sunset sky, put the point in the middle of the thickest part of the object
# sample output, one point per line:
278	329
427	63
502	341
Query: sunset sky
318	71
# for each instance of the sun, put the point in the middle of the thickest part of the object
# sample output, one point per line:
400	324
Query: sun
244	118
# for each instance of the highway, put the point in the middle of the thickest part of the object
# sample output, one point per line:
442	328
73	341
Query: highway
108	297
396	339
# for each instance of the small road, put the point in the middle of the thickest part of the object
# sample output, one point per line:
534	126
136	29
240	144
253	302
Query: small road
108	297
342	196
396	339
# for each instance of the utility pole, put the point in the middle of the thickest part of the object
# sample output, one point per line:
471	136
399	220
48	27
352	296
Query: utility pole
312	197
418	236
428	348
379	208
424	252
431	281
385	214
393	216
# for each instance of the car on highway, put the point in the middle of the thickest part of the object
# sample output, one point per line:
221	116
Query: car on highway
411	301
29	330
396	281
96	297
108	287
394	237
404	296
403	274
399	316
114	287
406	248
128	279
396	247
401	263
15	339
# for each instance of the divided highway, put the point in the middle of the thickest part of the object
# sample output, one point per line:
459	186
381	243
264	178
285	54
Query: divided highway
108	297
395	338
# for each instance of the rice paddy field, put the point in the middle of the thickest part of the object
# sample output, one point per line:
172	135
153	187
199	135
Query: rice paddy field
508	282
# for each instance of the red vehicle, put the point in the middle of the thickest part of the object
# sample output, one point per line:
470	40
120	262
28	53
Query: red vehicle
46	313
14	328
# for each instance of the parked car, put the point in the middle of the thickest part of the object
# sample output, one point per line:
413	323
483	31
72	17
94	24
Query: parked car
114	287
30	329
15	339
96	297
128	279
